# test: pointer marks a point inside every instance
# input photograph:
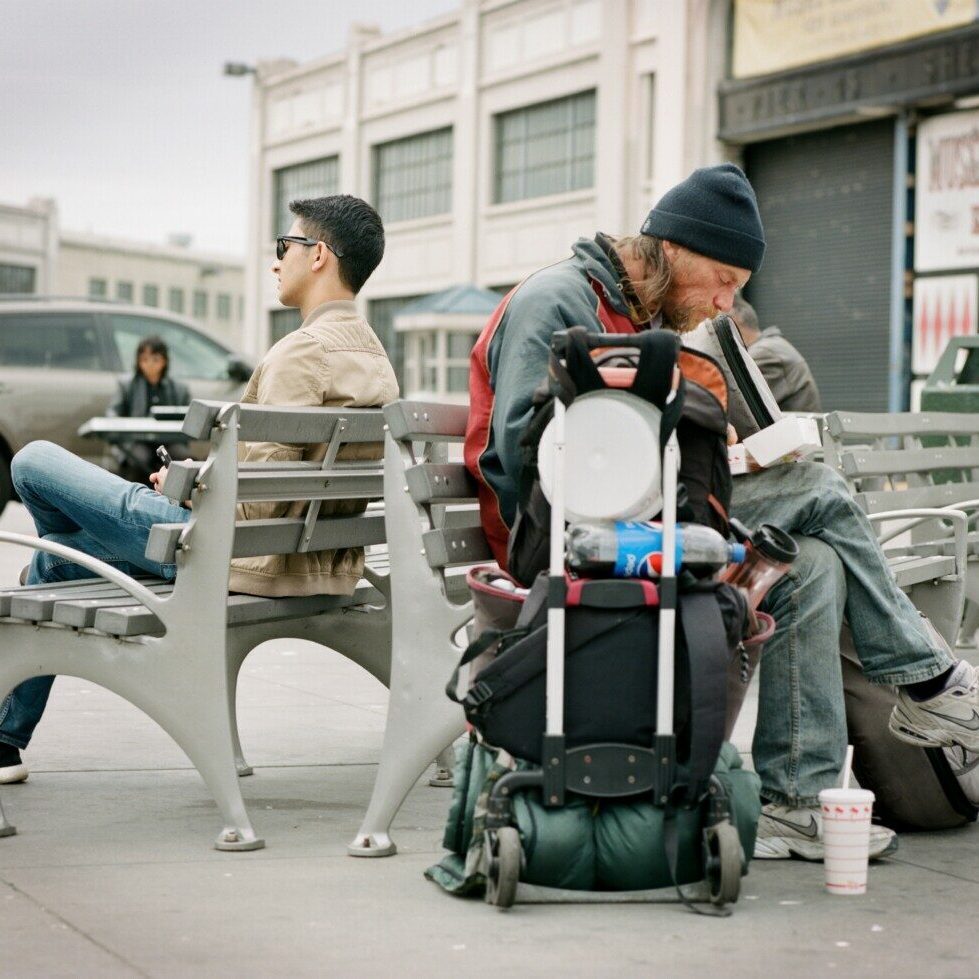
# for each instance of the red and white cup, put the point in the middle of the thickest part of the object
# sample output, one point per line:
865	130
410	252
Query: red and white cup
846	838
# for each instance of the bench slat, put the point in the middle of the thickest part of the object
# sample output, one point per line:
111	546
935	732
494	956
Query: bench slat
442	482
266	423
278	536
79	613
456	546
915	570
868	462
871	425
426	420
286	483
35	602
136	620
878	501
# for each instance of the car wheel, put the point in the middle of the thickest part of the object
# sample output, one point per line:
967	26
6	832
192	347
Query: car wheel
6	484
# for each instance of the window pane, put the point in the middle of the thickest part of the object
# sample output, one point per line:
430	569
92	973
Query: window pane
457	380
224	306
151	296
16	278
191	355
176	300
413	176
318	178
200	304
380	315
545	149
124	291
97	288
460	345
63	341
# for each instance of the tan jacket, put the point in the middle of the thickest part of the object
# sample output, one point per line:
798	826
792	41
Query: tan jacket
334	359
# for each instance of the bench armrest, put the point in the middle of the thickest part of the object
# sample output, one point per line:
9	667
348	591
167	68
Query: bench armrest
99	568
959	519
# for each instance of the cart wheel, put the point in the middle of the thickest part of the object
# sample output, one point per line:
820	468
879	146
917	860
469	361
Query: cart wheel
503	870
722	863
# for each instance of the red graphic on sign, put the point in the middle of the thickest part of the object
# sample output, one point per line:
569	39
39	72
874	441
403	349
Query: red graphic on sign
943	307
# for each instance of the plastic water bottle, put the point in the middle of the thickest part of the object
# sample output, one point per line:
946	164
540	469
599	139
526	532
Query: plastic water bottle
634	549
770	552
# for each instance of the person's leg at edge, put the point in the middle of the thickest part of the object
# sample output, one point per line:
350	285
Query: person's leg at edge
64	494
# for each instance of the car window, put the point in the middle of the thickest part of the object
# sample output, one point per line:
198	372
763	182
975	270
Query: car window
62	341
192	355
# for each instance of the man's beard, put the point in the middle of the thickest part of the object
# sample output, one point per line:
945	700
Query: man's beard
683	319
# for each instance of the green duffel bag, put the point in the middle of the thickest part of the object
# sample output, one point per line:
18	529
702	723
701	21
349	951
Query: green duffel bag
588	844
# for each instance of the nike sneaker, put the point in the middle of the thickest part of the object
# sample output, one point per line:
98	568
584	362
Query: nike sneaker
949	718
12	769
965	767
785	832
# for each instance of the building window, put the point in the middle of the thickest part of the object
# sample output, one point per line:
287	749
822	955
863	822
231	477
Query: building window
124	291
200	304
98	288
545	149
413	176
224	306
380	315
151	296
283	321
17	278
458	348
175	300
318	178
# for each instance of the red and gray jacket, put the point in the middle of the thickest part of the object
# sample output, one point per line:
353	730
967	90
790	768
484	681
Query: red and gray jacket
509	362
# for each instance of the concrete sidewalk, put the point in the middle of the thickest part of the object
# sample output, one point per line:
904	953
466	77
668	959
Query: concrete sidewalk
112	871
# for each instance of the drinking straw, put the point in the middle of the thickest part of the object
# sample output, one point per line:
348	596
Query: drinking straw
847	766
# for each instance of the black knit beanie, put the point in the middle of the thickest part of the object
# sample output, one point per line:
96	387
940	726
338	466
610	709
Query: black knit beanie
714	212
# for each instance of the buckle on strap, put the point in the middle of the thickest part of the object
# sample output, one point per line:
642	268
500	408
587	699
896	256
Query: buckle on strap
478	694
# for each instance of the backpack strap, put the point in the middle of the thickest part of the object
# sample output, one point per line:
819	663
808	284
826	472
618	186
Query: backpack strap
707	655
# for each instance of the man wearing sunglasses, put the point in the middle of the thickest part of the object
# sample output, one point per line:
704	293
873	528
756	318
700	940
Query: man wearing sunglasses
333	358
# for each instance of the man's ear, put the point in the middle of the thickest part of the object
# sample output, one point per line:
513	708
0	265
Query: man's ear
321	258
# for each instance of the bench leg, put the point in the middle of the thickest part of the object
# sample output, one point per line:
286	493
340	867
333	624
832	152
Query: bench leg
416	730
442	779
5	828
234	659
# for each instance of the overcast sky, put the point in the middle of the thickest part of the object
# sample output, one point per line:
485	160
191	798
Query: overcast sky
119	110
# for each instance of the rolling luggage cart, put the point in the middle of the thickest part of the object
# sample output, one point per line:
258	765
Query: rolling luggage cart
607	770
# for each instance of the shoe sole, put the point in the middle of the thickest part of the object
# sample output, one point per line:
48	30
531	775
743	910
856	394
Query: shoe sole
785	848
908	729
13	773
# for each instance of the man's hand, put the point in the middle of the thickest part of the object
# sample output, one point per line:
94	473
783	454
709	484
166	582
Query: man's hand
157	479
732	435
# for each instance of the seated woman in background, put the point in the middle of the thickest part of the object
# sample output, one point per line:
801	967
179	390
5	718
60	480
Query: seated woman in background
149	386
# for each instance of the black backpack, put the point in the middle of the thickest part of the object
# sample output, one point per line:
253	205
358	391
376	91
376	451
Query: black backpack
698	413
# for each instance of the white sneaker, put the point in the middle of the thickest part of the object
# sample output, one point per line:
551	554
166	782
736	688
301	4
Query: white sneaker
12	769
785	832
965	767
949	718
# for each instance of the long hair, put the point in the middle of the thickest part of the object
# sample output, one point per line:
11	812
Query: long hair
152	345
657	275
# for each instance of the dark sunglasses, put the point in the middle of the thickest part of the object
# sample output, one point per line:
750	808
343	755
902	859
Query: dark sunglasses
282	242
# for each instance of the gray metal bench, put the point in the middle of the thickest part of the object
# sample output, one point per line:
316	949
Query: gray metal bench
175	649
919	472
434	536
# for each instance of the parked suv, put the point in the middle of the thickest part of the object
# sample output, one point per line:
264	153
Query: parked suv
60	360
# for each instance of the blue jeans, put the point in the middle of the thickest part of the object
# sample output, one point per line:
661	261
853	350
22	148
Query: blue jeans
801	735
81	506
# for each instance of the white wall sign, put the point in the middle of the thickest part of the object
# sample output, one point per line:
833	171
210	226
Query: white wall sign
946	220
943	307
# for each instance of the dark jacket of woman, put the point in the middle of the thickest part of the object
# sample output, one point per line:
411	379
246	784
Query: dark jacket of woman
136	396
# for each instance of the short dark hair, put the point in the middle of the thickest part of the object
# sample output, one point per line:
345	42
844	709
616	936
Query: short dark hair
351	226
745	314
152	345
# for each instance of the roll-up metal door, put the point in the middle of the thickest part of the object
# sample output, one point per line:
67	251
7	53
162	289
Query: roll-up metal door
825	200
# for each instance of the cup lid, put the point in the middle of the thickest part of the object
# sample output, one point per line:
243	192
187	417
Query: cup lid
775	543
843	797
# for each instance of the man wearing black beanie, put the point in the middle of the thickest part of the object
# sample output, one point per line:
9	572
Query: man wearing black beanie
697	247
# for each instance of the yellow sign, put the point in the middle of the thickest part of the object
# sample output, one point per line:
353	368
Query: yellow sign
773	35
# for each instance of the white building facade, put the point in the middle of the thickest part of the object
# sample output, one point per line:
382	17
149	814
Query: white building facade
206	288
489	140
28	246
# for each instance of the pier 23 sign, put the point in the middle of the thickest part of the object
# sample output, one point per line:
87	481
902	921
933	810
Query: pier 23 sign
946	220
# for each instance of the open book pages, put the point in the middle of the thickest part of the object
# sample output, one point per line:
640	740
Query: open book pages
789	439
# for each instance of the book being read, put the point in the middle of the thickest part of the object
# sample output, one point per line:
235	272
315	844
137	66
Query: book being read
766	436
